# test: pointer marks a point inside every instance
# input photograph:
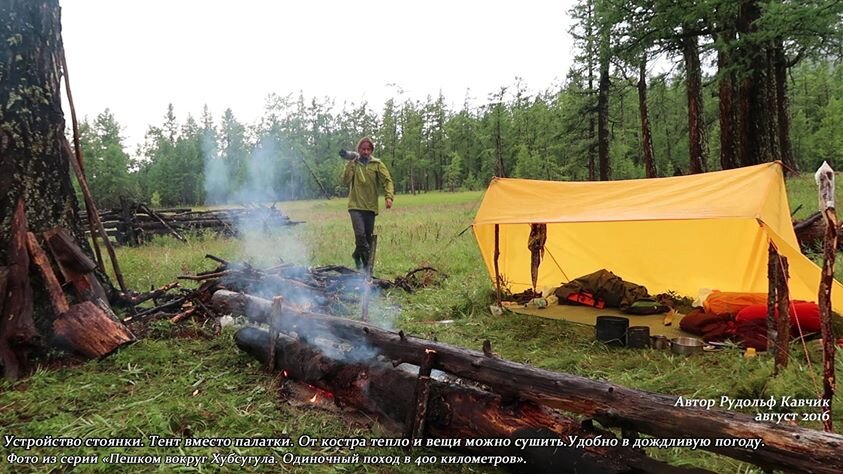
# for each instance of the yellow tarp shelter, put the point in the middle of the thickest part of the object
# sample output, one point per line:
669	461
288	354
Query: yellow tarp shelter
683	233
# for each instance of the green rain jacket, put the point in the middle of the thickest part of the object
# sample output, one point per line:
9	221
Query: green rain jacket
364	181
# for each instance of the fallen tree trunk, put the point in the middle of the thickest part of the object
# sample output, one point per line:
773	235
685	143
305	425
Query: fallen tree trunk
455	412
784	447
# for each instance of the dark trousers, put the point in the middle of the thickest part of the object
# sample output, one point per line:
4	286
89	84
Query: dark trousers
363	223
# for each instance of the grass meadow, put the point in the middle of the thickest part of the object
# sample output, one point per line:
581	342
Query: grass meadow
171	385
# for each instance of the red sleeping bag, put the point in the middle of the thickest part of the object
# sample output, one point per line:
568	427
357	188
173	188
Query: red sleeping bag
803	314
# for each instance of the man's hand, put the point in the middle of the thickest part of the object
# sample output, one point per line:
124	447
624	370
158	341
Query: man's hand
389	203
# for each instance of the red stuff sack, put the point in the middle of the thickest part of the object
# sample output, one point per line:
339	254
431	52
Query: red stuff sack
803	314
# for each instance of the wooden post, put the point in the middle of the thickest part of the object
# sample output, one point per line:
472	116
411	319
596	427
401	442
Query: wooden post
783	330
418	411
772	286
825	181
274	322
370	268
497	269
127	228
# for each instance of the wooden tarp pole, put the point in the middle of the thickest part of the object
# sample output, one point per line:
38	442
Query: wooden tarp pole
497	270
783	323
772	286
825	181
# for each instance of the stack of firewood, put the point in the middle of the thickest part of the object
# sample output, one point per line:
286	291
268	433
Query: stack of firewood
136	223
88	326
811	230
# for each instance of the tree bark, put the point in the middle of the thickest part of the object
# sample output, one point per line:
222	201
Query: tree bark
784	447
726	95
33	162
17	329
89	330
646	130
590	109
783	109
693	84
758	112
603	116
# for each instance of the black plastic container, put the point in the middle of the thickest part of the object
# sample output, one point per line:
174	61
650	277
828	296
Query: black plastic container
612	330
638	337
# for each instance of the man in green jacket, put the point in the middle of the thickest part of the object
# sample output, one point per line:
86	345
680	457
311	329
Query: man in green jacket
365	175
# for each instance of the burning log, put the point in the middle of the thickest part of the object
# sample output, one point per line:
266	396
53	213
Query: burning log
784	447
454	412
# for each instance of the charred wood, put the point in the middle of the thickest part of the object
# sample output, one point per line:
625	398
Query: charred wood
789	448
455	411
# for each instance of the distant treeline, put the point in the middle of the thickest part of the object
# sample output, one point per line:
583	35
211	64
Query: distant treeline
591	127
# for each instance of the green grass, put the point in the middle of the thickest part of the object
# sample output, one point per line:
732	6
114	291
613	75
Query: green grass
176	386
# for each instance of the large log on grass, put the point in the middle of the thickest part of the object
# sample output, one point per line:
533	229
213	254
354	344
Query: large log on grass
789	448
356	379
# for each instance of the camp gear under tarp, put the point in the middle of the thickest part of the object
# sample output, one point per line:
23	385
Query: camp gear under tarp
604	286
588	316
683	233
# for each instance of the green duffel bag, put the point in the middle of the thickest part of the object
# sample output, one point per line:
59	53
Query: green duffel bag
646	306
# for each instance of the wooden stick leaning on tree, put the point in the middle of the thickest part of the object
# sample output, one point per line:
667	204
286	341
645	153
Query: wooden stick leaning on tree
78	148
92	211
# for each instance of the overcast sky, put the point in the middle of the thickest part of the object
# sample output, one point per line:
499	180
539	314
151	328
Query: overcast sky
136	56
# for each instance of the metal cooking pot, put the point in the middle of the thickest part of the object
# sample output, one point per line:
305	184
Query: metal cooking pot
659	342
686	345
